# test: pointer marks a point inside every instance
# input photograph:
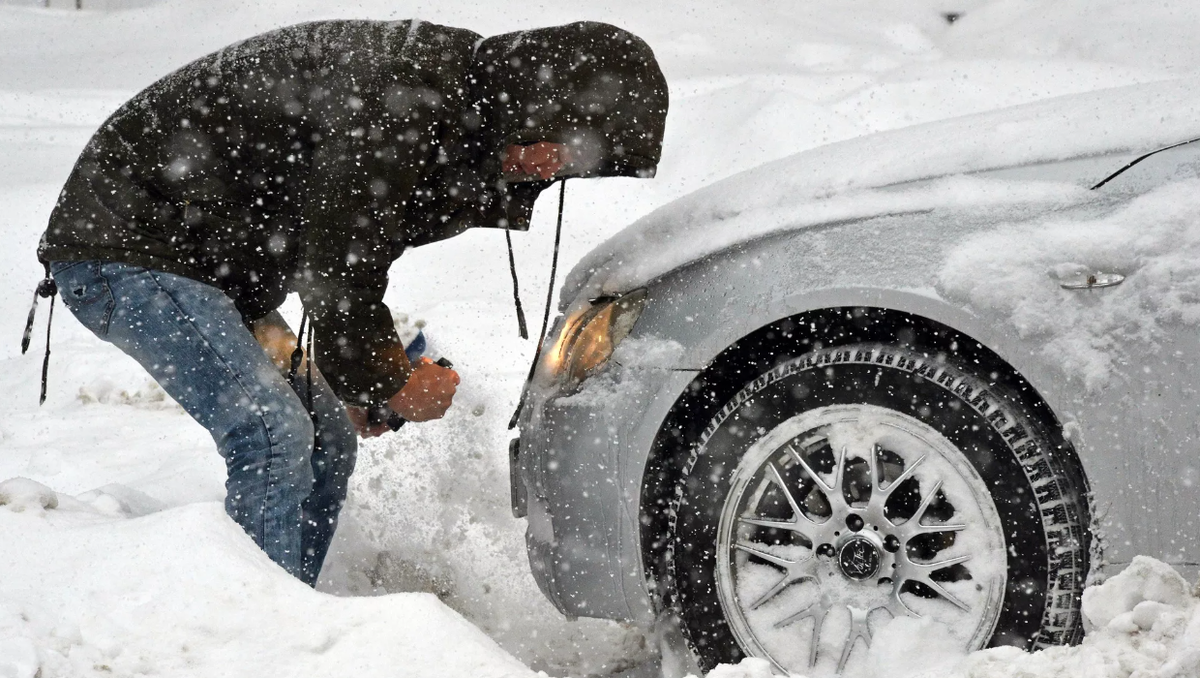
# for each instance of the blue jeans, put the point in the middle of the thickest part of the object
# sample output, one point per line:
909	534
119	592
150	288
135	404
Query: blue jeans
286	481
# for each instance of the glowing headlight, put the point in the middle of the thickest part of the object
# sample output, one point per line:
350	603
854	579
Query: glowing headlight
588	338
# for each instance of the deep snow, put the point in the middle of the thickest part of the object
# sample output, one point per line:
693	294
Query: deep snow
137	561
181	592
92	588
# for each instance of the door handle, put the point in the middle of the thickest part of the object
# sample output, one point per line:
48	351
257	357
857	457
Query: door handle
1090	281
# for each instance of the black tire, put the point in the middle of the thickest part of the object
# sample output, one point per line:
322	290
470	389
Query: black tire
1034	480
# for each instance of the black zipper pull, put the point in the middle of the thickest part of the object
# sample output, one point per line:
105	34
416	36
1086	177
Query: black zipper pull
46	359
45	288
298	352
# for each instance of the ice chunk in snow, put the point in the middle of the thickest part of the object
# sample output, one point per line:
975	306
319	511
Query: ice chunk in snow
20	494
137	390
1138	594
1143	622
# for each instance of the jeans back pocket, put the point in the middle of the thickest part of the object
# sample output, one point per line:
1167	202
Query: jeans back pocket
86	292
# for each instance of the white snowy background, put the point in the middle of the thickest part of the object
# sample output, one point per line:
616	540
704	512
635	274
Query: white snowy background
116	558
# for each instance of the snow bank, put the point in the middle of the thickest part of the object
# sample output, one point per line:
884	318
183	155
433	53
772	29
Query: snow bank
1145	623
1154	241
184	592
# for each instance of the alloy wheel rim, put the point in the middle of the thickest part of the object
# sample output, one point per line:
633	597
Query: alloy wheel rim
845	517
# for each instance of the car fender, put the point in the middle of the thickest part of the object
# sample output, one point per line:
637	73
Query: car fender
1132	435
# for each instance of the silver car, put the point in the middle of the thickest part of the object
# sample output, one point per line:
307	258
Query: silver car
939	374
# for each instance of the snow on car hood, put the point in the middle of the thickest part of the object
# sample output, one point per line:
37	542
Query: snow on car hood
841	180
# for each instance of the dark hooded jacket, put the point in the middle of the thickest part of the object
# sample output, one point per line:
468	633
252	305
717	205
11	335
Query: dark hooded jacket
309	158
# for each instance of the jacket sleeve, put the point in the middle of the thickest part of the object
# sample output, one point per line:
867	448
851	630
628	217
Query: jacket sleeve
385	127
349	234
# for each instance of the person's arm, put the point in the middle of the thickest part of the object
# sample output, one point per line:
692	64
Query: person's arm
362	173
279	342
355	343
345	254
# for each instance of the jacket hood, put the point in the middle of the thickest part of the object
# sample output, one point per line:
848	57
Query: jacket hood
592	86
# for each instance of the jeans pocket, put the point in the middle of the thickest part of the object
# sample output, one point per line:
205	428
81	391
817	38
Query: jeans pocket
87	293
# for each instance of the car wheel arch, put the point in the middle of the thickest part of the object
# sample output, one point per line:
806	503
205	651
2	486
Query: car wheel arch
778	341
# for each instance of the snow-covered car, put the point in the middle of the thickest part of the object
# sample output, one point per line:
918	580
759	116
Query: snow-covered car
936	375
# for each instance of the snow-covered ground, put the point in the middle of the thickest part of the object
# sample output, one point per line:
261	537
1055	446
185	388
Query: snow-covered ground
1143	623
121	561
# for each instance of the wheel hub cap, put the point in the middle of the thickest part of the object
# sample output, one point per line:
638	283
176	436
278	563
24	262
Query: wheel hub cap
859	558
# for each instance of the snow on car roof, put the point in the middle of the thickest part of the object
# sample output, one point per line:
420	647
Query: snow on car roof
815	186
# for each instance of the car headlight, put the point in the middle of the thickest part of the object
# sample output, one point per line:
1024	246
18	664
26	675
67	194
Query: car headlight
589	337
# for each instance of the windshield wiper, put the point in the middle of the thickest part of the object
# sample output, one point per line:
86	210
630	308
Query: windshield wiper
1138	159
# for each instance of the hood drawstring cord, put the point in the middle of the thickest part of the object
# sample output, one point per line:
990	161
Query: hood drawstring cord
522	329
305	354
298	352
308	370
537	355
45	288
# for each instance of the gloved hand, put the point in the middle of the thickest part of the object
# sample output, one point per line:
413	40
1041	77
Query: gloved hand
427	394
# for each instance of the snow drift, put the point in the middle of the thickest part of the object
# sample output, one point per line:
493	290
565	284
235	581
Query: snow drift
184	592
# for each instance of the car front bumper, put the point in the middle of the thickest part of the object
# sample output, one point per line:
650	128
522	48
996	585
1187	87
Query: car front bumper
578	470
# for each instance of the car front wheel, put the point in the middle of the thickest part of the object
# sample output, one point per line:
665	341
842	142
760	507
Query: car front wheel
854	486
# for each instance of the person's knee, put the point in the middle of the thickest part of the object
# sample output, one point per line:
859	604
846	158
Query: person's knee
292	434
270	438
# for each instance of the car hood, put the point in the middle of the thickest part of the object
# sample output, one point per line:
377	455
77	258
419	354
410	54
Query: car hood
908	170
